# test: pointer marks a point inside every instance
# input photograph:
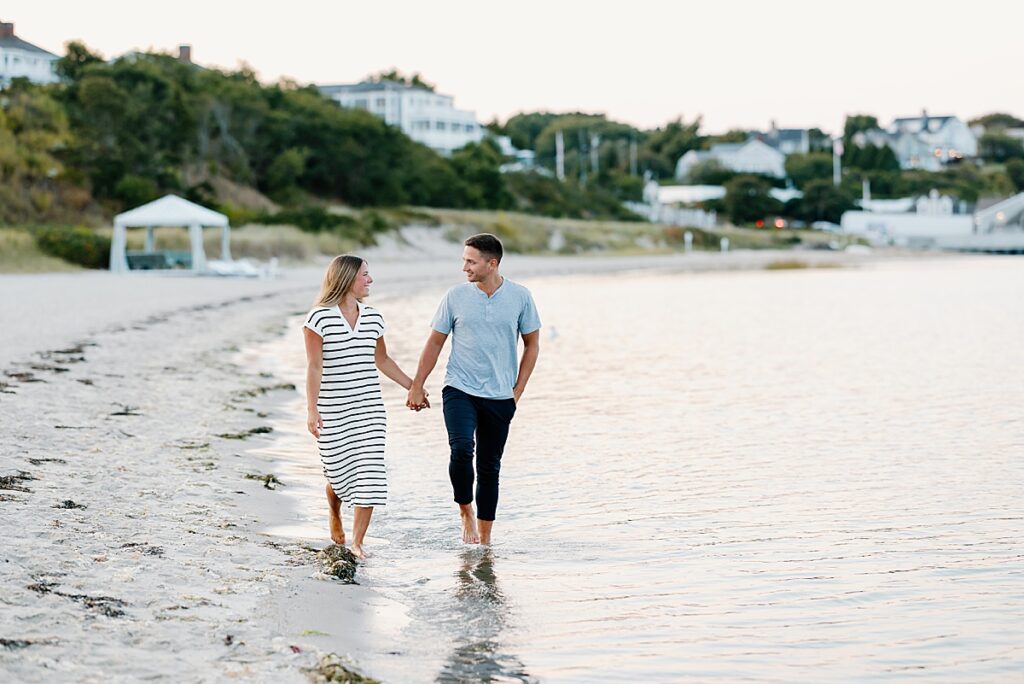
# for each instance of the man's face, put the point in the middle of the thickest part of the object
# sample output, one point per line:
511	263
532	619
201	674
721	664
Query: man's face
476	266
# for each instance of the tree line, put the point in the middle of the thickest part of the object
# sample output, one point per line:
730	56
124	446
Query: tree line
114	134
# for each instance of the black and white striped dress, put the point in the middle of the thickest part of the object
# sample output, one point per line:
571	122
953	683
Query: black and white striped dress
351	407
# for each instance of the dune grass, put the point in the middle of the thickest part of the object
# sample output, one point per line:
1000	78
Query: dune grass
527	233
796	264
20	254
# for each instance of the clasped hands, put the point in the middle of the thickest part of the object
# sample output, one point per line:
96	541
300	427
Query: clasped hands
417	399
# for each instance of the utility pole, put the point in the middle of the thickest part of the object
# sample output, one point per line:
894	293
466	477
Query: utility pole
632	156
837	164
559	156
580	156
595	149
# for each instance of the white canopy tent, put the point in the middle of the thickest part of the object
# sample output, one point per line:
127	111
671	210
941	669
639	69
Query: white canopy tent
169	210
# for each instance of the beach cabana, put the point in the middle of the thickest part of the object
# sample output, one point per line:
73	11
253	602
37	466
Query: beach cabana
168	211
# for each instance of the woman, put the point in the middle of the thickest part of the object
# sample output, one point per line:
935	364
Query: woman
344	349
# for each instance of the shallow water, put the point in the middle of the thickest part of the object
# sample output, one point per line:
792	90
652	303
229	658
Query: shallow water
775	476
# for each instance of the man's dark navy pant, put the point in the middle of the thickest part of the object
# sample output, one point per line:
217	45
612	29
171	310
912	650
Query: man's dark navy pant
487	420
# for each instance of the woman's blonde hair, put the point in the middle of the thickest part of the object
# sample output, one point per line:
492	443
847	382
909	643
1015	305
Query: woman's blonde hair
341	273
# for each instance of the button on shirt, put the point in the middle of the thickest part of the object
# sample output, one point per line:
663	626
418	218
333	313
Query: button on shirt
485	332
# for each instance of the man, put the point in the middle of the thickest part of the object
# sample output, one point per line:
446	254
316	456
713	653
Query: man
485	317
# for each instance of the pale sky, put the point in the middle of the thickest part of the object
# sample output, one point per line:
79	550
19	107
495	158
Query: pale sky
802	63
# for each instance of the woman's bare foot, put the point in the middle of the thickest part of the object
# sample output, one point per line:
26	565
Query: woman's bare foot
337	531
358	552
334	508
469	531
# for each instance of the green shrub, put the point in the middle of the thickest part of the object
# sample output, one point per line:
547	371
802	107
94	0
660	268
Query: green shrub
362	228
76	245
312	219
136	190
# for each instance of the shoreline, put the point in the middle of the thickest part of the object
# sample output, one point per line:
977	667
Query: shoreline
76	305
138	536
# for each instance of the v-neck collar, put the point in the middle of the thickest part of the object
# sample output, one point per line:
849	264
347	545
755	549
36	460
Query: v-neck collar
494	294
359	317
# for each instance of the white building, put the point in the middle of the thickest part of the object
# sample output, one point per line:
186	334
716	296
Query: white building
689	195
425	116
920	220
21	59
924	142
752	156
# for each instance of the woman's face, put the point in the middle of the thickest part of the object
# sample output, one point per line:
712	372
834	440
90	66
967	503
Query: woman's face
361	285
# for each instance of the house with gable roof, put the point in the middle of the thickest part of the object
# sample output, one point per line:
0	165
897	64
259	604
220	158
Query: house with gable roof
752	156
21	59
924	142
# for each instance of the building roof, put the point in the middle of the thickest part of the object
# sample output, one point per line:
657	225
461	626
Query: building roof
368	86
726	148
919	118
170	210
16	43
732	148
780	135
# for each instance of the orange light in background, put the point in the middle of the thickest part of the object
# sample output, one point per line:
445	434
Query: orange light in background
760	223
779	223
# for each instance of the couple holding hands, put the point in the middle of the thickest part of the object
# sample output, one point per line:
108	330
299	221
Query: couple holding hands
346	353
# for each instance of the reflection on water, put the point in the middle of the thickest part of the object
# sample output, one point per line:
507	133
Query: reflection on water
478	657
787	476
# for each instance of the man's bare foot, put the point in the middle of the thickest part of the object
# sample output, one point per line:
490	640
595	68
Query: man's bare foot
337	531
358	552
469	532
485	531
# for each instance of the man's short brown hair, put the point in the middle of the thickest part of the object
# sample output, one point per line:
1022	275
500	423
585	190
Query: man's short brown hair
488	245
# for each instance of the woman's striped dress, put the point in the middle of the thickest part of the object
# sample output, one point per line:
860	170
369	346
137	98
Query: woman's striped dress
351	407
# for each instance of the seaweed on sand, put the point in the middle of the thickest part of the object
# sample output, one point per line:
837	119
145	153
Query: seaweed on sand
339	562
269	480
331	668
246	434
104	605
13	482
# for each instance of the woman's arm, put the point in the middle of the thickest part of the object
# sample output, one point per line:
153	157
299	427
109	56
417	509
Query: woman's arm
314	371
388	366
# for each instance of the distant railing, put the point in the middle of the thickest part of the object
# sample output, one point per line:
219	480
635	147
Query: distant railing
674	216
1000	215
155	261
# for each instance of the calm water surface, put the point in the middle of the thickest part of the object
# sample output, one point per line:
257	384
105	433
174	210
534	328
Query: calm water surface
773	476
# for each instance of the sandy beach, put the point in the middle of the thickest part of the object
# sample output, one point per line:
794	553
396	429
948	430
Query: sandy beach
135	545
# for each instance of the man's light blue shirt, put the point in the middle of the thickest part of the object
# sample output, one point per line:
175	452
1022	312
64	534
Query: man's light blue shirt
485	333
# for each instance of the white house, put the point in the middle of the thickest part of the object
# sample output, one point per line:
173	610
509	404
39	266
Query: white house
21	59
752	156
425	116
924	142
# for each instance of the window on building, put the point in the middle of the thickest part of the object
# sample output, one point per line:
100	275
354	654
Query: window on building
360	103
381	103
440	125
